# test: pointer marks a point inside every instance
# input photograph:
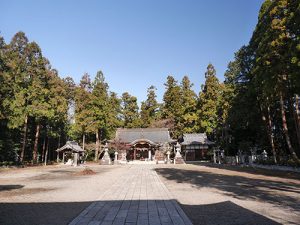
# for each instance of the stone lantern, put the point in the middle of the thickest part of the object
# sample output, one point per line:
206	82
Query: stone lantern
178	158
168	157
264	155
105	159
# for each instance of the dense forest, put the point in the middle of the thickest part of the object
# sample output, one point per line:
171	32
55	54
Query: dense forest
256	107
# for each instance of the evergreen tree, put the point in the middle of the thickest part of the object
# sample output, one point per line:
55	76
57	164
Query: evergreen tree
209	99
83	108
271	75
149	108
240	127
114	114
100	109
172	108
189	117
130	111
39	106
16	101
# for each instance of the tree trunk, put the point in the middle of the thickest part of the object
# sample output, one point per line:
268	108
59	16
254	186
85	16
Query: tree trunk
44	147
83	140
36	142
268	124
100	146
57	153
46	154
296	114
97	146
285	128
58	144
297	99
24	139
271	136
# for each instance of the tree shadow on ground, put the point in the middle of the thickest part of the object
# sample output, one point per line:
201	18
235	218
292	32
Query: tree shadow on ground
158	212
275	192
10	187
224	213
251	170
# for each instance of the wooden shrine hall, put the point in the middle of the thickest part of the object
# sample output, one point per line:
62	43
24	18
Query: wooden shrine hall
145	144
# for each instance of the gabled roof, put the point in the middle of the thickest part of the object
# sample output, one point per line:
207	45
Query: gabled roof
156	135
71	145
196	139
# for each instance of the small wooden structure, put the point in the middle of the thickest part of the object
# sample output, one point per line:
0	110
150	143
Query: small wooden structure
71	153
195	146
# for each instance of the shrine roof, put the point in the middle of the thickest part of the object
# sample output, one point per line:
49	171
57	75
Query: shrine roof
130	135
196	138
71	145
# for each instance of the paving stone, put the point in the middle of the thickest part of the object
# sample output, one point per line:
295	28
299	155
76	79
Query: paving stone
93	222
137	198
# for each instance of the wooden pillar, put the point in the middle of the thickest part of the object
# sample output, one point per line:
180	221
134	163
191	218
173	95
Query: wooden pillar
134	154
63	158
57	157
75	159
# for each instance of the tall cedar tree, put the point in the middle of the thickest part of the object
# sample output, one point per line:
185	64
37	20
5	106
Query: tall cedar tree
172	107
149	108
209	99
83	108
271	73
100	109
130	111
16	103
189	118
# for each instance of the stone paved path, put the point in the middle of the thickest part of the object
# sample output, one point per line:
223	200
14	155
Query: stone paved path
139	197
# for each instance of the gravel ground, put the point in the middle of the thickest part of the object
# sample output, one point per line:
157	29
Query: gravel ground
208	195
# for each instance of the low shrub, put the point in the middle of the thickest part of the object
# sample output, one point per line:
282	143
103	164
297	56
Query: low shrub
293	162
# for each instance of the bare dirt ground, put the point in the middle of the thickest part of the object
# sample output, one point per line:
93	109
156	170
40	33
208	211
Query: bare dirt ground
52	194
209	195
234	195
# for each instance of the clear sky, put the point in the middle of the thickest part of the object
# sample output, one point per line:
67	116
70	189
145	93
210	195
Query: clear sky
136	43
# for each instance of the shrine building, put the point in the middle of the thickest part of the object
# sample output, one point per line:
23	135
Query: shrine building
145	144
195	146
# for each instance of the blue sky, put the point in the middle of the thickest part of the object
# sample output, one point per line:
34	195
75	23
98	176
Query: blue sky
135	43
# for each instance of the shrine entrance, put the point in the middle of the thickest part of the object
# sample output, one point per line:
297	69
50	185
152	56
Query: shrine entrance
142	150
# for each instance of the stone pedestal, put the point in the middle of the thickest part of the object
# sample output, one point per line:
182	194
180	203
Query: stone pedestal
178	158
105	159
159	156
75	163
